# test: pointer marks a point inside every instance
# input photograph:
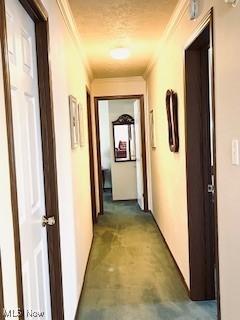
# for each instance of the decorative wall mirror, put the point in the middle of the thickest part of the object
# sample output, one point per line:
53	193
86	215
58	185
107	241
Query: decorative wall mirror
172	116
124	139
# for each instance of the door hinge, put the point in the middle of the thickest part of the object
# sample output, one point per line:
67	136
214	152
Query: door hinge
48	221
211	188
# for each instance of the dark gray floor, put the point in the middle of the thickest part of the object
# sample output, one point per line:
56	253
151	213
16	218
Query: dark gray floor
131	274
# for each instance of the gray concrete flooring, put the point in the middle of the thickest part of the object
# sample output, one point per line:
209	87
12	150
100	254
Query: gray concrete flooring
131	275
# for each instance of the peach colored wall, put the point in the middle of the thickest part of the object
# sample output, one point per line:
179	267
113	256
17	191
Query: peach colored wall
73	165
169	170
227	81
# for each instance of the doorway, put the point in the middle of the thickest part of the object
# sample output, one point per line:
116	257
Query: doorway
201	166
31	141
122	156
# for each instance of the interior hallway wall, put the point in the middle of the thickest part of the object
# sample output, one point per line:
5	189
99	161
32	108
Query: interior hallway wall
69	76
117	87
169	169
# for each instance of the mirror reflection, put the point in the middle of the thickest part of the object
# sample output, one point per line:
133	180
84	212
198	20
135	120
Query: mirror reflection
124	139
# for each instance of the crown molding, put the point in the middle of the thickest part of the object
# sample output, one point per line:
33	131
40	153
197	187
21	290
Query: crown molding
174	21
72	27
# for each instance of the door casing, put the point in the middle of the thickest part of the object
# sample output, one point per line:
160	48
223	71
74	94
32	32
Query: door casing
1	288
37	12
201	257
143	133
91	157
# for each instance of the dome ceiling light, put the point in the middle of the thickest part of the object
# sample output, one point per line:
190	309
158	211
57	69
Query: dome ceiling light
120	53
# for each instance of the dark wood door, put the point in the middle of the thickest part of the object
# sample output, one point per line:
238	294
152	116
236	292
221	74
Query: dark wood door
200	168
91	159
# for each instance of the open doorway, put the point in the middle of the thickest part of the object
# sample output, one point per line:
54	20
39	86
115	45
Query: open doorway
120	132
201	167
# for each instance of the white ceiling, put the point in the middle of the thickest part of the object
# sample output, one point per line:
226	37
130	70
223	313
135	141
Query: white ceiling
106	24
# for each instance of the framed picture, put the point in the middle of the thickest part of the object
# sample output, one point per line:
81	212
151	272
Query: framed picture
74	121
152	128
81	125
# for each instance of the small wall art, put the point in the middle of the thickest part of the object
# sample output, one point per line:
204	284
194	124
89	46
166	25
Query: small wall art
74	121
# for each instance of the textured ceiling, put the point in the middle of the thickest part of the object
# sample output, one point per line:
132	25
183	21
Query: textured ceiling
106	24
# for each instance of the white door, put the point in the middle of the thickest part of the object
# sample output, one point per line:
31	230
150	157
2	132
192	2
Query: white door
139	167
28	157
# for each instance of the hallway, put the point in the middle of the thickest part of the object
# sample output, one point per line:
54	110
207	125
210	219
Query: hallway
131	274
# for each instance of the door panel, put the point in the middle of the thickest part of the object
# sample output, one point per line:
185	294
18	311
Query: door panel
28	158
139	166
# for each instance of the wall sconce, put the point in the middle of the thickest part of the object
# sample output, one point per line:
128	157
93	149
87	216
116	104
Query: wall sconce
234	3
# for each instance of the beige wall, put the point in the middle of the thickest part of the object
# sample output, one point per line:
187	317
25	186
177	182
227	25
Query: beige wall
73	166
227	71
168	169
122	86
68	77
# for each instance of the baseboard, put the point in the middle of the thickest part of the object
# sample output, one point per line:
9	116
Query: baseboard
172	256
119	200
84	279
107	189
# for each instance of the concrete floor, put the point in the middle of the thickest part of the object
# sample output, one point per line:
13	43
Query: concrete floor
131	275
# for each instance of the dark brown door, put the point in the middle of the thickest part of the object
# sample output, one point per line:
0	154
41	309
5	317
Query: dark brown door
91	159
200	153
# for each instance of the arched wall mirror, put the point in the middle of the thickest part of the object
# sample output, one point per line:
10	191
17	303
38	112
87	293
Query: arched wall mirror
124	143
172	116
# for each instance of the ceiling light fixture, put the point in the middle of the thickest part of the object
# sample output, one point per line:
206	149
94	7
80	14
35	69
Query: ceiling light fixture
120	53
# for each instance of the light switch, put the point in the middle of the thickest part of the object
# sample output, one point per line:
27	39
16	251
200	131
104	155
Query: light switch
235	152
